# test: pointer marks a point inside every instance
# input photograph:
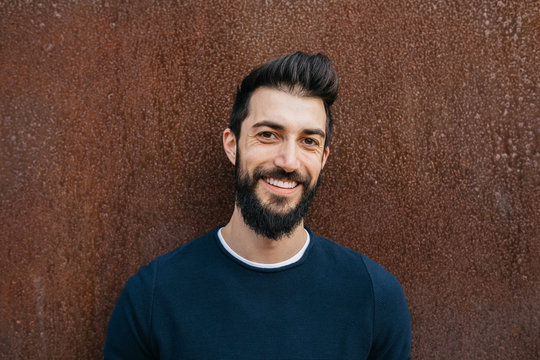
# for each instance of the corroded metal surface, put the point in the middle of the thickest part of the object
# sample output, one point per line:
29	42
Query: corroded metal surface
111	119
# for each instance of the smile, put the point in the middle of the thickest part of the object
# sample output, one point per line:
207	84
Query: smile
281	184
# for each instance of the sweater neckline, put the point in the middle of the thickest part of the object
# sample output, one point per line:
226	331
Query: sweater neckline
293	259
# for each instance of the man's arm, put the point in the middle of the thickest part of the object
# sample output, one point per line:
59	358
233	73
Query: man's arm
391	318
128	333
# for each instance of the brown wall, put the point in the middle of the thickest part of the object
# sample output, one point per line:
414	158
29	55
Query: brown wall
111	119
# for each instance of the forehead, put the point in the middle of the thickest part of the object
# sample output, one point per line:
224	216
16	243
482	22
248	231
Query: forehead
293	112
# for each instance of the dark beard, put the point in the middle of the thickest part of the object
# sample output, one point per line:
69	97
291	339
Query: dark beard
260	218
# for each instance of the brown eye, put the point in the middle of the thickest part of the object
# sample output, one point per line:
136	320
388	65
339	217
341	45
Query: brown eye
267	135
310	142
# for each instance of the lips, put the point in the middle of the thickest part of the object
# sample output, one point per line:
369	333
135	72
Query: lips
280	178
284	184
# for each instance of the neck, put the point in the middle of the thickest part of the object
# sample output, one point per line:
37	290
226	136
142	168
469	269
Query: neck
254	247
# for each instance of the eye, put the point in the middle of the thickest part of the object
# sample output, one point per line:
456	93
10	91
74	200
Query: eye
311	142
266	135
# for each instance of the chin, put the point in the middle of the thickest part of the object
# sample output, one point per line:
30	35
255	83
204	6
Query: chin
280	205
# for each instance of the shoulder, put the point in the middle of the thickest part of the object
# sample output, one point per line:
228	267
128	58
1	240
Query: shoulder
184	258
333	250
380	277
166	267
129	333
384	283
391	326
390	309
194	248
154	278
350	258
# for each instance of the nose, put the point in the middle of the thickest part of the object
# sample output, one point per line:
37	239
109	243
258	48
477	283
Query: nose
287	158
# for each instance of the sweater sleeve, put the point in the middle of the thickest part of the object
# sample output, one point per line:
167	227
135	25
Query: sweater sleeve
128	333
391	317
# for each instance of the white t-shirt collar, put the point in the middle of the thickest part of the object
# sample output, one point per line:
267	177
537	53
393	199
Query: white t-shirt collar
289	261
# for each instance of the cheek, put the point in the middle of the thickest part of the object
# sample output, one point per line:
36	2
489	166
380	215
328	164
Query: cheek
314	163
258	155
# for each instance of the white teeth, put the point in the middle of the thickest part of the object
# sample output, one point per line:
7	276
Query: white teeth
281	184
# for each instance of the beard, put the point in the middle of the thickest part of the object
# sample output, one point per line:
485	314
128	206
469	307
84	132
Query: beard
260	217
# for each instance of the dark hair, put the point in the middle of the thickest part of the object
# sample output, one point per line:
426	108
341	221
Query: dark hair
310	75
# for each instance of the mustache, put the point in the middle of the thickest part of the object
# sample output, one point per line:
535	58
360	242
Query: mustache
278	173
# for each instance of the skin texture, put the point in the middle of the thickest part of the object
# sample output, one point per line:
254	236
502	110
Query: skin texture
282	131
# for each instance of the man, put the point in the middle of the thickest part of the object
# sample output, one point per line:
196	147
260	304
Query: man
264	286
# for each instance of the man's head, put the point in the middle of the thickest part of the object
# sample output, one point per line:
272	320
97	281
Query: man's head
305	75
278	140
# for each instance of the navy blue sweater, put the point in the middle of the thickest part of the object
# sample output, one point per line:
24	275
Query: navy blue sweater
200	302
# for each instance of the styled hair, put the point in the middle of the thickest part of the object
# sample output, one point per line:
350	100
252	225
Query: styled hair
300	74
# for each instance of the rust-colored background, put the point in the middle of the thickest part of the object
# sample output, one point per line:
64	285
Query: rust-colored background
111	120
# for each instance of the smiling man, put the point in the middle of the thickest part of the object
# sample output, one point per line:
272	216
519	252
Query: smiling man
264	286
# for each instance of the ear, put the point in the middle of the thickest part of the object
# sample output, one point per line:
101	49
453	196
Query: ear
325	156
229	145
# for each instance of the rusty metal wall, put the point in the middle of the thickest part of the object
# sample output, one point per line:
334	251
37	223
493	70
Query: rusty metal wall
111	118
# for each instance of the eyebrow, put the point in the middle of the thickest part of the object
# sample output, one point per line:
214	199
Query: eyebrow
277	126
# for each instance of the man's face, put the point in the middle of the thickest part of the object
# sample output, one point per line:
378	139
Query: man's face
278	160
